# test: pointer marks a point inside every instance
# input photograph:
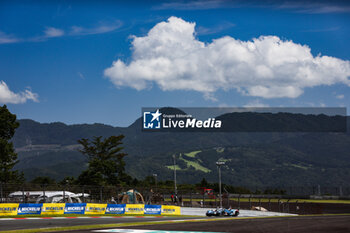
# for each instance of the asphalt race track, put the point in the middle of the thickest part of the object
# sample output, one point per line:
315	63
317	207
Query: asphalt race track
300	224
32	223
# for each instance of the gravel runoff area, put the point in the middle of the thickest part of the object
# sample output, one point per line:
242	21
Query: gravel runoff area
242	213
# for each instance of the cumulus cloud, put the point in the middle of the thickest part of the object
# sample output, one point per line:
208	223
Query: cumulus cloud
9	97
171	57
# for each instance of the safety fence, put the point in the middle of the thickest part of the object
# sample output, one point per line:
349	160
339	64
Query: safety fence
11	209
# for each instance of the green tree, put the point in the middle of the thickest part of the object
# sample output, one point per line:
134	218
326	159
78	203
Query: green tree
8	156
43	180
106	165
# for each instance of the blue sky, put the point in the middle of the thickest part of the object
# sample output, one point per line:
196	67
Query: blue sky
56	58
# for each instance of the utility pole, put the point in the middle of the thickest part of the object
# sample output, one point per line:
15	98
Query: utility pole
219	164
155	177
175	188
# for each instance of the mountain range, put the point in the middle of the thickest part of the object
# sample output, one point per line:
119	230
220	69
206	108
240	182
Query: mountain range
251	158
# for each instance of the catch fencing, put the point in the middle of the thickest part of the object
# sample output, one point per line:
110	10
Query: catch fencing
292	200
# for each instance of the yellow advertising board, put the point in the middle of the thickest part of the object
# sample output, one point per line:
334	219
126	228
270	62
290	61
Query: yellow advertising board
95	208
171	210
134	209
8	209
53	208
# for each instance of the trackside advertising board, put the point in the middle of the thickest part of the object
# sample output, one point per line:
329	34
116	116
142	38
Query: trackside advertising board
115	209
75	208
153	209
53	208
134	209
95	208
171	210
29	208
7	209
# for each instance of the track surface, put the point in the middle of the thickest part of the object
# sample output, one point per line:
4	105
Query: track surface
6	225
303	224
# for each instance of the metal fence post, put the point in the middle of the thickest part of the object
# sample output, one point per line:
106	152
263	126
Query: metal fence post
279	205
1	196
203	199
191	198
228	200
260	203
23	197
250	203
239	201
83	197
44	193
64	193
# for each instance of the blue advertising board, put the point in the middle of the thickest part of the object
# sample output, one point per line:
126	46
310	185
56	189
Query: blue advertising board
74	208
28	208
153	209
115	209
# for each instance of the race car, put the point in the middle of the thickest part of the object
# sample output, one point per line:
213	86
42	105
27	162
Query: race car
223	212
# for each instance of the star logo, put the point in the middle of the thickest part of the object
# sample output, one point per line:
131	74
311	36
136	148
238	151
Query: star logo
152	120
156	115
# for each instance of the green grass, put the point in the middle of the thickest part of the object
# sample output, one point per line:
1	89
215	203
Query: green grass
193	153
171	167
196	165
220	150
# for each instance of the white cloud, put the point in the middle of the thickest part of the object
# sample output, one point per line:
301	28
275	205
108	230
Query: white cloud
53	32
9	97
340	97
192	5
101	28
315	7
7	39
256	104
171	57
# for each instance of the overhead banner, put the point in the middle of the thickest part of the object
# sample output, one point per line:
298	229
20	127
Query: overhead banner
74	208
29	208
53	208
171	210
153	209
115	209
134	209
8	209
95	208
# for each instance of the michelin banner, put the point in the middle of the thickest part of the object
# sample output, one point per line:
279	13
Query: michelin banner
53	208
75	208
153	209
7	209
95	208
115	209
171	210
134	209
29	208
